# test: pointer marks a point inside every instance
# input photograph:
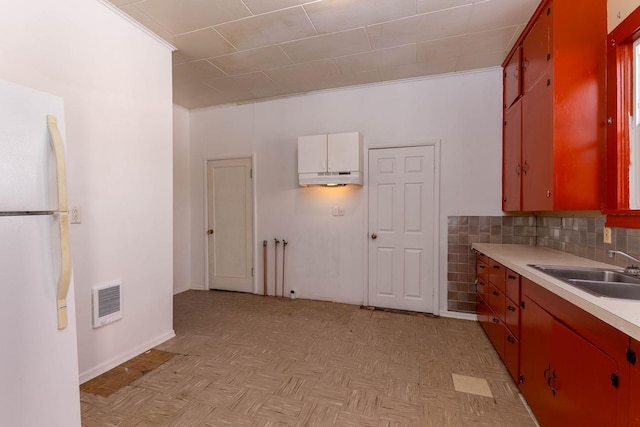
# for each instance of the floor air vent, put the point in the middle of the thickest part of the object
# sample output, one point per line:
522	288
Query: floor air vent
107	303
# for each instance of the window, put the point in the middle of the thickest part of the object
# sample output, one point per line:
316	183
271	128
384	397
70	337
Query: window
622	204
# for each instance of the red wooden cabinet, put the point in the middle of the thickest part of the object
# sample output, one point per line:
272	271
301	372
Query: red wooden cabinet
572	364
563	114
512	158
512	79
581	381
497	311
633	357
535	358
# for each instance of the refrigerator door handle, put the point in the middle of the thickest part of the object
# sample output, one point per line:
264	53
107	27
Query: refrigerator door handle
63	217
61	169
65	269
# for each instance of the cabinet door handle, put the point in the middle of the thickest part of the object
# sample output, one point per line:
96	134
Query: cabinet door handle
511	339
481	284
494	320
518	167
546	371
511	277
495	293
553	378
511	308
496	266
525	168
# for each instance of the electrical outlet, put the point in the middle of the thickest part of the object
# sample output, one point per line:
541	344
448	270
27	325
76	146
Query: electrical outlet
341	210
76	215
335	211
606	235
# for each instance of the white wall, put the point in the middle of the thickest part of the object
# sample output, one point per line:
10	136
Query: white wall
116	82
326	254
181	201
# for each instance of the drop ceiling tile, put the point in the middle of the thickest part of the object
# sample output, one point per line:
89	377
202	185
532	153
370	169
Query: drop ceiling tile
338	15
428	26
201	44
195	70
152	25
362	78
195	94
178	57
468	44
283	89
242	84
270	28
438	66
263	6
252	60
483	60
328	45
189	15
424	6
305	72
500	13
381	58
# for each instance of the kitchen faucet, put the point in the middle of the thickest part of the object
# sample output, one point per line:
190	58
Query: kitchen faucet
632	269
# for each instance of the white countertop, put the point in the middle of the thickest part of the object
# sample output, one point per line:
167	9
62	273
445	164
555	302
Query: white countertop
621	314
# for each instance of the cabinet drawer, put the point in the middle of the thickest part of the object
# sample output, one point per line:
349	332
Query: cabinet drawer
512	355
483	312
497	274
512	317
497	334
482	270
497	301
512	285
483	288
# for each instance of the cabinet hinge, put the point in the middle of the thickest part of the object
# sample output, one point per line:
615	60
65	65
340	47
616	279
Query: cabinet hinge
521	379
615	380
631	356
251	271
250	173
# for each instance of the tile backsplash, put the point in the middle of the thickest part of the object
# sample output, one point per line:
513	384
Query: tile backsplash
579	236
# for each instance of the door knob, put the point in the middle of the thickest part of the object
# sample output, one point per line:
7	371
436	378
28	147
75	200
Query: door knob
209	232
374	236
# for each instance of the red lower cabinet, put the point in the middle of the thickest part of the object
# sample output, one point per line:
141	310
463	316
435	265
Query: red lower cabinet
512	355
483	312
633	358
572	366
583	381
535	358
497	311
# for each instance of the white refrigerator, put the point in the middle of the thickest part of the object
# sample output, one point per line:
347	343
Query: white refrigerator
38	348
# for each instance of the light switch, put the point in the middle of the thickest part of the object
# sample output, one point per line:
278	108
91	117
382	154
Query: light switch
335	211
341	210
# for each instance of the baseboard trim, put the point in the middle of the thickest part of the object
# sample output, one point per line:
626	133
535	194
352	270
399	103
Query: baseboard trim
104	367
458	315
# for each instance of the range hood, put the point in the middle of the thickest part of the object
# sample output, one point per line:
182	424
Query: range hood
330	179
330	159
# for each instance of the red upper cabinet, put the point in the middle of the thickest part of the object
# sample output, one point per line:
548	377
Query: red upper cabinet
563	110
512	79
512	158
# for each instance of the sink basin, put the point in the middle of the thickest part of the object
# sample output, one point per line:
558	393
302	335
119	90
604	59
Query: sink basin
599	282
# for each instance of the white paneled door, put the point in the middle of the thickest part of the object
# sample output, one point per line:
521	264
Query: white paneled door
230	224
402	228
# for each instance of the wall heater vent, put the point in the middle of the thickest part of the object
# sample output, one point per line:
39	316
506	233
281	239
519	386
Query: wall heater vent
107	303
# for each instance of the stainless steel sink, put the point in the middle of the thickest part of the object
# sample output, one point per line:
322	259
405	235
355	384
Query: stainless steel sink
599	282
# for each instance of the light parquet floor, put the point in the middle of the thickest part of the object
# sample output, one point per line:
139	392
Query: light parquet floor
247	360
